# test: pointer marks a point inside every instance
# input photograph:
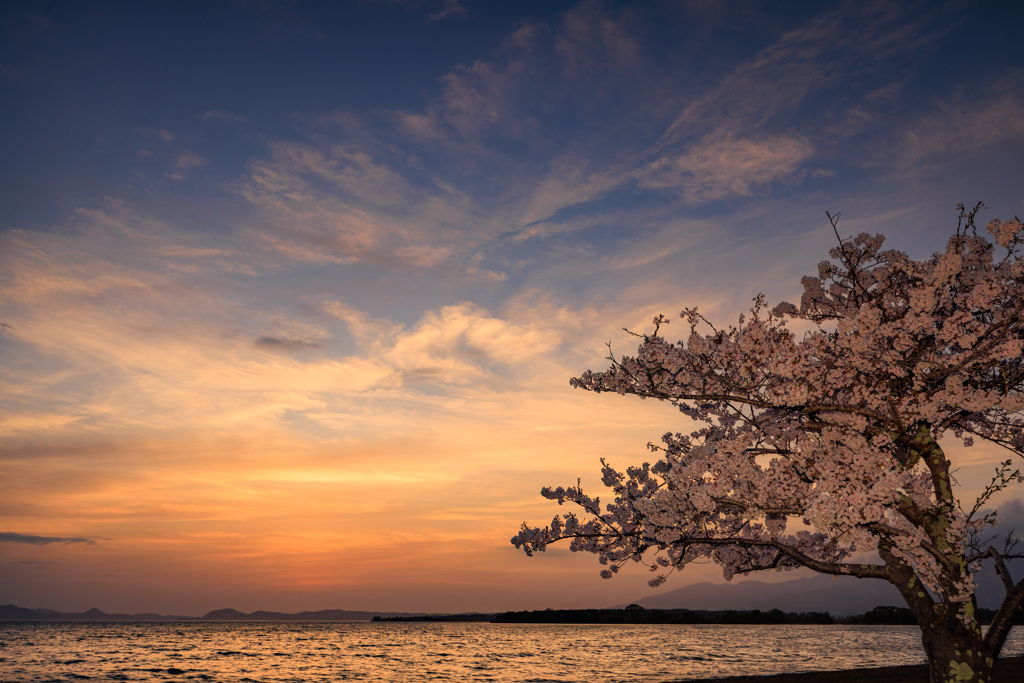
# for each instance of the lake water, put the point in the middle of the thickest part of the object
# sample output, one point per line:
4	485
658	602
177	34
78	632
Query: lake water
272	652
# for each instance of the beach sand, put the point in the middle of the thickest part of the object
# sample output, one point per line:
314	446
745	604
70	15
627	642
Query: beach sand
1008	670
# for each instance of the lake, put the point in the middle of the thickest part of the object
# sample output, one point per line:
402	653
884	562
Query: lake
272	652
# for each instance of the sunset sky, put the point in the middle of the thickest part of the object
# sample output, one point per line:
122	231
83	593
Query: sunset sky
291	292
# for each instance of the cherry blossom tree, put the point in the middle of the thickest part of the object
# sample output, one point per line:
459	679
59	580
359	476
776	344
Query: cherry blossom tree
817	450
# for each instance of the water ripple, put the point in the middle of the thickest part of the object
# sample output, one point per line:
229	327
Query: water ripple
279	652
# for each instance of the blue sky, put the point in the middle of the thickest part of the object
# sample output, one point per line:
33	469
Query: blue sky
294	286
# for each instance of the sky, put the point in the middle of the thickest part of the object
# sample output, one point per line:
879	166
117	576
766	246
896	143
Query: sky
291	292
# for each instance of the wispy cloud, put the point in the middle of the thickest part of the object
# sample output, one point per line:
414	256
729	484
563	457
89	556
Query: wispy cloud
221	115
591	38
736	136
722	167
458	344
275	344
450	8
186	160
10	537
342	205
847	40
963	127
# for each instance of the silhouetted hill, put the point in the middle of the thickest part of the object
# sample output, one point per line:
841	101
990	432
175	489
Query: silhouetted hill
842	596
9	612
12	612
224	615
845	596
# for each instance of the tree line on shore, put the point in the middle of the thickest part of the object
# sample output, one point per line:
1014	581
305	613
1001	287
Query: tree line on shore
635	614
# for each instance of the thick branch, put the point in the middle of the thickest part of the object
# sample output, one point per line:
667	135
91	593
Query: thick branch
862	571
1002	622
909	585
1001	568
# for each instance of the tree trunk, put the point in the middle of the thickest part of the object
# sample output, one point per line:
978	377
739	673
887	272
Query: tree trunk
956	651
951	660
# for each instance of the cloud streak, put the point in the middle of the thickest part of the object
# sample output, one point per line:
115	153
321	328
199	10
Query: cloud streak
718	168
275	344
221	115
11	537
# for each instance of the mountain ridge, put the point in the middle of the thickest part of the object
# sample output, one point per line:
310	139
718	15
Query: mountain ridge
15	613
839	595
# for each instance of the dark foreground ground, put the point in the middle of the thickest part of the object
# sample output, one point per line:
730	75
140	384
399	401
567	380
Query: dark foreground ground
1008	670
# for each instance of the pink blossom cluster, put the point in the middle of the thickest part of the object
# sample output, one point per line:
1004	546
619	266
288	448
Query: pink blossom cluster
810	449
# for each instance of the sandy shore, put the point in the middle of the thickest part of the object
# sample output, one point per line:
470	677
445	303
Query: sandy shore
1008	670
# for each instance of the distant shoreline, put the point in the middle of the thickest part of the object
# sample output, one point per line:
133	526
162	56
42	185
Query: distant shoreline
631	615
1007	670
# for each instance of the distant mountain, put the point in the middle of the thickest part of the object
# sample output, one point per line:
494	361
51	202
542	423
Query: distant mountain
8	612
224	615
12	612
845	596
